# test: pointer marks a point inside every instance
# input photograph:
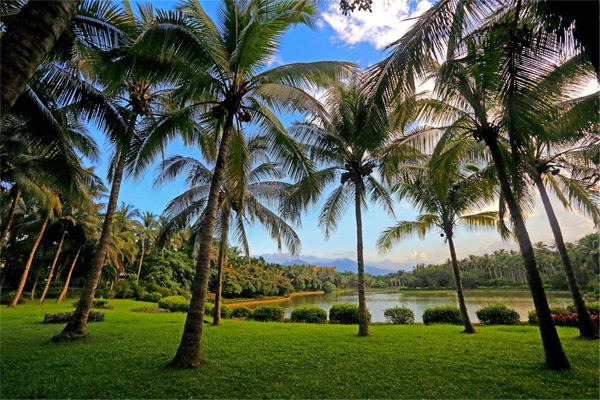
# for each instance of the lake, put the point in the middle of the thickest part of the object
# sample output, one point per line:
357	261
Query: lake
418	301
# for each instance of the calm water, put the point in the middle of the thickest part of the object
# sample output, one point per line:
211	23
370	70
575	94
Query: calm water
418	301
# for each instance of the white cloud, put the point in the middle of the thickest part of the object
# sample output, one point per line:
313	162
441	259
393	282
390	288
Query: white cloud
387	22
320	23
274	60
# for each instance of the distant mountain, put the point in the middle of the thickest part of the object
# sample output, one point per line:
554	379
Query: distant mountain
343	265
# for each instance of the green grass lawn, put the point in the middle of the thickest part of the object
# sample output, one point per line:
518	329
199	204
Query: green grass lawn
125	357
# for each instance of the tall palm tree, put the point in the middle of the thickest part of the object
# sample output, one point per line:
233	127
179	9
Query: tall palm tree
445	198
223	88
250	188
146	232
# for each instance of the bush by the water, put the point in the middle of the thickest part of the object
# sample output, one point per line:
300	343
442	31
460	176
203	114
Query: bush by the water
100	303
175	303
150	310
592	306
561	317
532	316
270	313
63	317
345	313
241	312
442	315
498	314
329	287
309	314
399	315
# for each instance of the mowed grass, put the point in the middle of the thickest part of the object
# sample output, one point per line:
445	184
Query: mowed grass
125	357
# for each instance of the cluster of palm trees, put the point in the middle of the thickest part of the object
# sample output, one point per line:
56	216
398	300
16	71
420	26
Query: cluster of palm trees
504	117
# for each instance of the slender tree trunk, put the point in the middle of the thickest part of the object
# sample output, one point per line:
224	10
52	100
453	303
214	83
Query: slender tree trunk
221	264
27	40
76	328
45	292
459	289
15	299
9	219
37	275
188	353
555	355
363	319
141	260
63	293
587	327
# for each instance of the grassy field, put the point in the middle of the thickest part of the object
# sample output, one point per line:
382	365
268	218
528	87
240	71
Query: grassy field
125	357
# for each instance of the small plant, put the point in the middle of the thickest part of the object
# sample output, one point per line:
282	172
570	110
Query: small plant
271	313
309	314
498	314
329	287
399	315
152	297
63	317
101	304
175	303
592	306
151	310
532	316
241	313
345	313
442	315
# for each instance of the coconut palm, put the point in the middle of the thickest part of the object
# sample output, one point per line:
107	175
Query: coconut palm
146	232
445	198
250	189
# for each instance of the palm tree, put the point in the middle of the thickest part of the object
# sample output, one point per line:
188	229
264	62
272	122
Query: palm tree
221	88
250	188
147	229
445	195
63	225
348	141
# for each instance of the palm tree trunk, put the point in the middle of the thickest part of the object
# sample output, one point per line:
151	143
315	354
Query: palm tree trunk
587	327
459	289
15	299
37	275
76	328
555	355
363	320
141	260
10	217
63	293
60	244
188	353
27	40
221	264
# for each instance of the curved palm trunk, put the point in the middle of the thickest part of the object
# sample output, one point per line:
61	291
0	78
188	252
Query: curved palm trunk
17	295
188	353
555	355
77	327
63	293
221	264
51	273
10	217
141	260
28	39
459	289
587	327
37	275
363	320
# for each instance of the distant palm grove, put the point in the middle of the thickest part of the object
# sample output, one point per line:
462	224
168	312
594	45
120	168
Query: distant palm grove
504	124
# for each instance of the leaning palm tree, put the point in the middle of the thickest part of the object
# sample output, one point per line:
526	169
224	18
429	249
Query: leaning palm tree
146	232
250	189
221	88
445	198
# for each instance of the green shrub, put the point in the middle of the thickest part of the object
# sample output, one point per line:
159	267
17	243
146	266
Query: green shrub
100	303
124	290
532	315
442	315
592	306
105	293
399	315
309	314
498	314
152	297
175	303
329	287
241	312
63	317
345	313
270	313
150	310
226	311
7	297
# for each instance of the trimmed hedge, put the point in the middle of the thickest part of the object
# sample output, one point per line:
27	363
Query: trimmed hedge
241	312
399	315
175	303
309	314
592	306
271	313
63	317
498	314
442	315
345	313
101	304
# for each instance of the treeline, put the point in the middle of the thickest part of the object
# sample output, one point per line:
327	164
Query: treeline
505	268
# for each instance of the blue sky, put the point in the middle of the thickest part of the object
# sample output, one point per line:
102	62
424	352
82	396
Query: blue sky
359	38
